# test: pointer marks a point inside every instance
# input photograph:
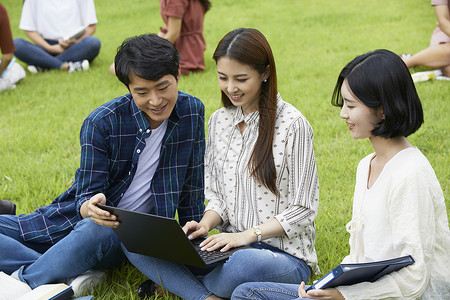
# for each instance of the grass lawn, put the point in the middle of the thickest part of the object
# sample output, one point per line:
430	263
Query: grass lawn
311	40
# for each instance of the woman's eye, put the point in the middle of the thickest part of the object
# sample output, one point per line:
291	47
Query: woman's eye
222	78
242	80
164	88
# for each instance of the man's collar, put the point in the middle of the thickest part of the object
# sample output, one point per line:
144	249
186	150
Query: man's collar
139	116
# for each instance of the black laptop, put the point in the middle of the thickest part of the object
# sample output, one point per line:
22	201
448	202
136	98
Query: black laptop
162	237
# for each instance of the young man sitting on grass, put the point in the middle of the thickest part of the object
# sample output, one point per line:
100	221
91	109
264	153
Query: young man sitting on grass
142	151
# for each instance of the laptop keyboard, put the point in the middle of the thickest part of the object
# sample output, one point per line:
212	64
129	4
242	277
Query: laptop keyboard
211	256
208	256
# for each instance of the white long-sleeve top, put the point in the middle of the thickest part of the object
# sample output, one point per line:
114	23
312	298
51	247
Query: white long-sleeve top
241	201
403	213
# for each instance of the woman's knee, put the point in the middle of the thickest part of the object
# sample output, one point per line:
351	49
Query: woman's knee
20	45
19	42
243	291
255	261
266	265
93	44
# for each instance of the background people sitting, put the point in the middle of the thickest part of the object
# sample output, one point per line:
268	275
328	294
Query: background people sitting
61	34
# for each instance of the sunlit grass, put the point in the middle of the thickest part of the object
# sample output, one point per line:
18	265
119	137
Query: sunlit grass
40	120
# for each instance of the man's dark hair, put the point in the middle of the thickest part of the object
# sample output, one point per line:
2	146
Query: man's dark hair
148	56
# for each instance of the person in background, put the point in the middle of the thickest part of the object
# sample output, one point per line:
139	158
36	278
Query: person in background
143	151
6	42
184	21
261	182
10	72
61	34
437	55
183	27
398	204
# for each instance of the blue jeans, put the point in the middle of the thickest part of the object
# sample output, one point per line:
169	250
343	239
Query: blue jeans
87	246
262	262
32	54
266	291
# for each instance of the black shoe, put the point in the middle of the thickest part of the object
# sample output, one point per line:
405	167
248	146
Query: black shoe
7	207
146	289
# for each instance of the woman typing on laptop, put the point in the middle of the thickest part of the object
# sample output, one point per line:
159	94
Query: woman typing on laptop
260	177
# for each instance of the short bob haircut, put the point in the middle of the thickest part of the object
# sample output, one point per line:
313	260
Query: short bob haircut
250	47
148	56
381	79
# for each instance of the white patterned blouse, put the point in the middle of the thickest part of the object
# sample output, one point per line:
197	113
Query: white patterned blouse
241	201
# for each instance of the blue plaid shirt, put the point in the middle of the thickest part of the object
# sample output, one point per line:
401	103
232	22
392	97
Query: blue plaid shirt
112	137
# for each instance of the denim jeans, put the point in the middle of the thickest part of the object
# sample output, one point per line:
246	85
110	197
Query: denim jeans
32	54
262	262
266	291
87	246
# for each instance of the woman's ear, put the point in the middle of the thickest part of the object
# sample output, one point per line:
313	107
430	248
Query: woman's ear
179	73
380	111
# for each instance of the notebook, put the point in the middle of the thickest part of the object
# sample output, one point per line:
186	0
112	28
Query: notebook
11	288
78	32
348	274
163	238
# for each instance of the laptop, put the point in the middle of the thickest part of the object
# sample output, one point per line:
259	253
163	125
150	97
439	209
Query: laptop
163	238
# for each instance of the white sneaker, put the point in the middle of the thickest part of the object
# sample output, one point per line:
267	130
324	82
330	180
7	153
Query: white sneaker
442	77
78	66
85	282
405	55
34	69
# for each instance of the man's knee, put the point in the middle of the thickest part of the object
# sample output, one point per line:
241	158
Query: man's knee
88	229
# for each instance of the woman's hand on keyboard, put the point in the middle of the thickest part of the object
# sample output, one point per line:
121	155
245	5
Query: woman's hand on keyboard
226	241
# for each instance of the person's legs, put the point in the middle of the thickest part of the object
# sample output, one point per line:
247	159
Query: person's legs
437	56
88	48
88	246
35	55
14	253
255	265
265	291
446	71
174	277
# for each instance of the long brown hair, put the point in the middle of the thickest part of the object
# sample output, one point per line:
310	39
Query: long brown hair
249	46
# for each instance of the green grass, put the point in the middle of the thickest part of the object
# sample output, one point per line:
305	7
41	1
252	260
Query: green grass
311	40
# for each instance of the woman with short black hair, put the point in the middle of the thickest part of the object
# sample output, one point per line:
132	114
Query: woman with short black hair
398	204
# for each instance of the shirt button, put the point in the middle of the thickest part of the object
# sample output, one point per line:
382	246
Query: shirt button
138	150
140	130
148	131
129	173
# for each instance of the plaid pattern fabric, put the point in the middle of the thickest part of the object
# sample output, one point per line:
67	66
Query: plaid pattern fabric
112	137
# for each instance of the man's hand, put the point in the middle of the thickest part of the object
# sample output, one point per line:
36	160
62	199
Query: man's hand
326	294
102	217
